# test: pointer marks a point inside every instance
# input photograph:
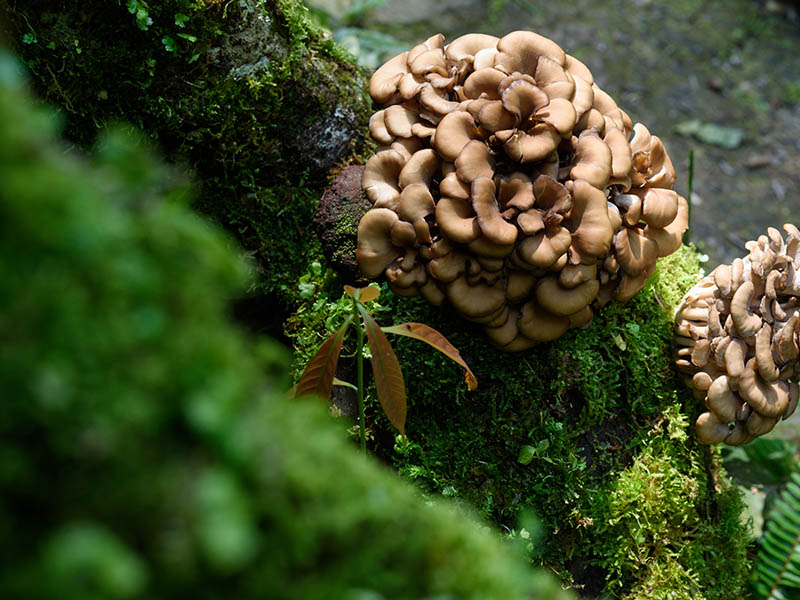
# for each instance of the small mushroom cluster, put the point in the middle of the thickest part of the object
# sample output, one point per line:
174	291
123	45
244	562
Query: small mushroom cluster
738	340
508	183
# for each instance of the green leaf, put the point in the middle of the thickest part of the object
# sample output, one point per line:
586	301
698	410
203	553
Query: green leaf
337	381
306	290
169	43
709	133
188	36
387	374
430	336
317	379
526	454
181	19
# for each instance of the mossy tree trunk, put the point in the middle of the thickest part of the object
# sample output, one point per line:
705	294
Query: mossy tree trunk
251	97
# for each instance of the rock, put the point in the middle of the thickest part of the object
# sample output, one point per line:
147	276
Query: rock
336	222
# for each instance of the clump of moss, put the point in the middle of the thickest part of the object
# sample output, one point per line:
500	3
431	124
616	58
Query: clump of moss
147	449
590	433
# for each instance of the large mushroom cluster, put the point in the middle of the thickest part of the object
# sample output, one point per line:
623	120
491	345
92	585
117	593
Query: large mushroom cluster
738	340
508	183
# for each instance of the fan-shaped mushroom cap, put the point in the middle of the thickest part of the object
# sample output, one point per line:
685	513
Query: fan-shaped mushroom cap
457	220
510	171
454	132
492	225
467	46
746	322
533	146
520	51
544	249
380	178
375	250
560	301
710	430
378	130
669	238
592	160
474	161
475	301
420	168
659	207
383	83
484	82
522	99
589	222
540	325
515	190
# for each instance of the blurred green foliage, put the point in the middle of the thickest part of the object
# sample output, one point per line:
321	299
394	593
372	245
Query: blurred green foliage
146	448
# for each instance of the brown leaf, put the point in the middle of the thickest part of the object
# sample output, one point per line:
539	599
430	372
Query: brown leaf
430	336
317	379
365	294
387	374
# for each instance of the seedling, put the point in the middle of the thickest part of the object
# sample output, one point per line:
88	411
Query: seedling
319	375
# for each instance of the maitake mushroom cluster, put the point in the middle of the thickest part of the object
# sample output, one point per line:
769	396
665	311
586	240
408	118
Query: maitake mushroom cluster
738	334
508	183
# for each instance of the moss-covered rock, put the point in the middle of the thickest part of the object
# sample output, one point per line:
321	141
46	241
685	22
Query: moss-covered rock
256	101
146	446
592	433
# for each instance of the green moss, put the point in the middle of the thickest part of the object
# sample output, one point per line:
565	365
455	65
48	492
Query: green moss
592	433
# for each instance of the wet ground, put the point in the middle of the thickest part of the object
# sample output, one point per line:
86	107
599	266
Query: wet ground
732	66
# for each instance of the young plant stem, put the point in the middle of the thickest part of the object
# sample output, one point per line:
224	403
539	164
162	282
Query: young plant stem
360	382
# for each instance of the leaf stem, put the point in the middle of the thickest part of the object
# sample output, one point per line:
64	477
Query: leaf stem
360	378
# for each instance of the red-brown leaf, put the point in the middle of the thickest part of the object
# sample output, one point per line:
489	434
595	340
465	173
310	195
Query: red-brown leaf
317	379
387	374
429	335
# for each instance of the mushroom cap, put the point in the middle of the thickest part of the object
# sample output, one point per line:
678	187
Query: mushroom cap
454	132
565	301
511	175
493	226
477	300
711	430
375	249
589	223
380	180
540	325
383	83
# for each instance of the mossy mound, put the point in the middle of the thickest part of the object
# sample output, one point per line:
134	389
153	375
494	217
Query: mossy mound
147	449
250	96
592	433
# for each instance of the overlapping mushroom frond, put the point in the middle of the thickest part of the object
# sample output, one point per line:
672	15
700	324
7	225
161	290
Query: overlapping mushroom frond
510	184
738	333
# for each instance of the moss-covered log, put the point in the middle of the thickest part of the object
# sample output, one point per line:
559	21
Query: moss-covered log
592	433
257	102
